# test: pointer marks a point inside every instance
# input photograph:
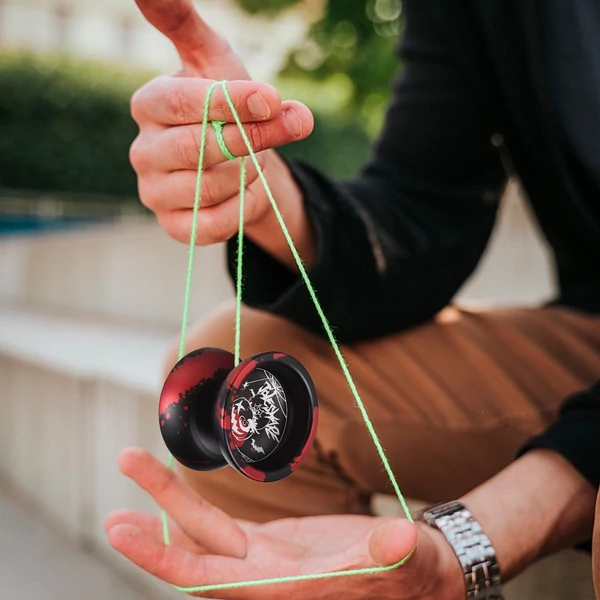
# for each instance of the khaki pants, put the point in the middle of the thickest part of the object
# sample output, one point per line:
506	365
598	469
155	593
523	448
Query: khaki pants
451	400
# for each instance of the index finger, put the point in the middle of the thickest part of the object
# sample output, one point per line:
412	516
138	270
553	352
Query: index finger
175	565
200	48
180	101
201	521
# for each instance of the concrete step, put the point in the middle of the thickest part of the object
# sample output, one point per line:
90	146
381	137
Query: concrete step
133	272
36	562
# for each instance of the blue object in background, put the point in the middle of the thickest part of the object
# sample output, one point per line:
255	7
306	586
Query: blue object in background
24	224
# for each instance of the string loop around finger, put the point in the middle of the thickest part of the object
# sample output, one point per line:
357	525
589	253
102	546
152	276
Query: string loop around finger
218	127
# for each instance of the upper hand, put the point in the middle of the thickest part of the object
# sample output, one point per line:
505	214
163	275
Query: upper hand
169	113
208	547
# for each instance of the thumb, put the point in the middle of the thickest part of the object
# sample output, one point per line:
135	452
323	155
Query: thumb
202	50
392	541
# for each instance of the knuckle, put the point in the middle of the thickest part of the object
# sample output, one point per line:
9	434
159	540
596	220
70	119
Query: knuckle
138	155
193	147
187	148
148	193
176	102
257	136
254	208
171	226
214	228
140	99
210	190
221	106
261	157
162	560
137	105
252	171
165	483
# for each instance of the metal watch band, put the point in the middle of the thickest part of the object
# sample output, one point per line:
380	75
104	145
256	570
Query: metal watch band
472	547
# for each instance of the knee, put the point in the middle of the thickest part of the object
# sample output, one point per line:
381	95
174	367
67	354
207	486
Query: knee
260	332
214	330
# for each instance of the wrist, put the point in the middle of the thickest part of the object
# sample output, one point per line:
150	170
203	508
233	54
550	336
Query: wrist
522	525
448	582
266	231
471	550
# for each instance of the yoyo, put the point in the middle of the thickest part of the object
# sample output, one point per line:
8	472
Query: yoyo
260	416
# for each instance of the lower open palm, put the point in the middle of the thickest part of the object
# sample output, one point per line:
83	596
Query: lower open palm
210	548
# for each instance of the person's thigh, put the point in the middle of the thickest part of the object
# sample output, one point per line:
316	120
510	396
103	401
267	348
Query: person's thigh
454	399
451	400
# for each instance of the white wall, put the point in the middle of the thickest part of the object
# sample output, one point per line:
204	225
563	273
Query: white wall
60	436
517	267
129	271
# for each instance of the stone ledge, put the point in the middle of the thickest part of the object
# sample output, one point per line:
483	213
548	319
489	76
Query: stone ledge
85	348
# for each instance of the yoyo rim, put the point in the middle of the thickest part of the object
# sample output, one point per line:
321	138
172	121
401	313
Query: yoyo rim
181	380
232	385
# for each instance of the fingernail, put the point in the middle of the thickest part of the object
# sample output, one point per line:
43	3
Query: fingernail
258	107
292	122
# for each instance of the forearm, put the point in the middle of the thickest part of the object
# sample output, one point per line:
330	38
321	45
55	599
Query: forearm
537	506
267	233
383	261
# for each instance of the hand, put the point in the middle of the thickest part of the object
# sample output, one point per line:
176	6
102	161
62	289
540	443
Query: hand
209	547
165	154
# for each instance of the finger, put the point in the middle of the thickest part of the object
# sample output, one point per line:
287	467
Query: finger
216	223
201	49
178	148
392	542
199	520
176	190
172	564
180	101
153	526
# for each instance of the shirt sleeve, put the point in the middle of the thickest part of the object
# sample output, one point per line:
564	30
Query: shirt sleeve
576	434
395	244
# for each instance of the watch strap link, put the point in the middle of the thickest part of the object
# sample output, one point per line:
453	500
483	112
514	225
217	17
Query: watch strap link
472	547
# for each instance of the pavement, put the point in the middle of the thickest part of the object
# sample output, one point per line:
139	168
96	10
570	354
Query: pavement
38	564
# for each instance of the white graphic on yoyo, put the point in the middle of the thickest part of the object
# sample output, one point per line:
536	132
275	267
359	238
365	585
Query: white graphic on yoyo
259	419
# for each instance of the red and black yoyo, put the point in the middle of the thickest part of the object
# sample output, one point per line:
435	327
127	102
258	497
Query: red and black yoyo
260	417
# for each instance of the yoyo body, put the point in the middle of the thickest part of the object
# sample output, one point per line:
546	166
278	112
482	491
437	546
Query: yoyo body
260	416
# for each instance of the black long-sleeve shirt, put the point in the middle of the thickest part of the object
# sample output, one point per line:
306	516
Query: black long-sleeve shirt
395	244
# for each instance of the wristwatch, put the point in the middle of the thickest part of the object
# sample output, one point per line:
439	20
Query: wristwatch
472	547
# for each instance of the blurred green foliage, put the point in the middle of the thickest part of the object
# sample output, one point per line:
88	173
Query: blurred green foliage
266	7
353	44
65	125
336	147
